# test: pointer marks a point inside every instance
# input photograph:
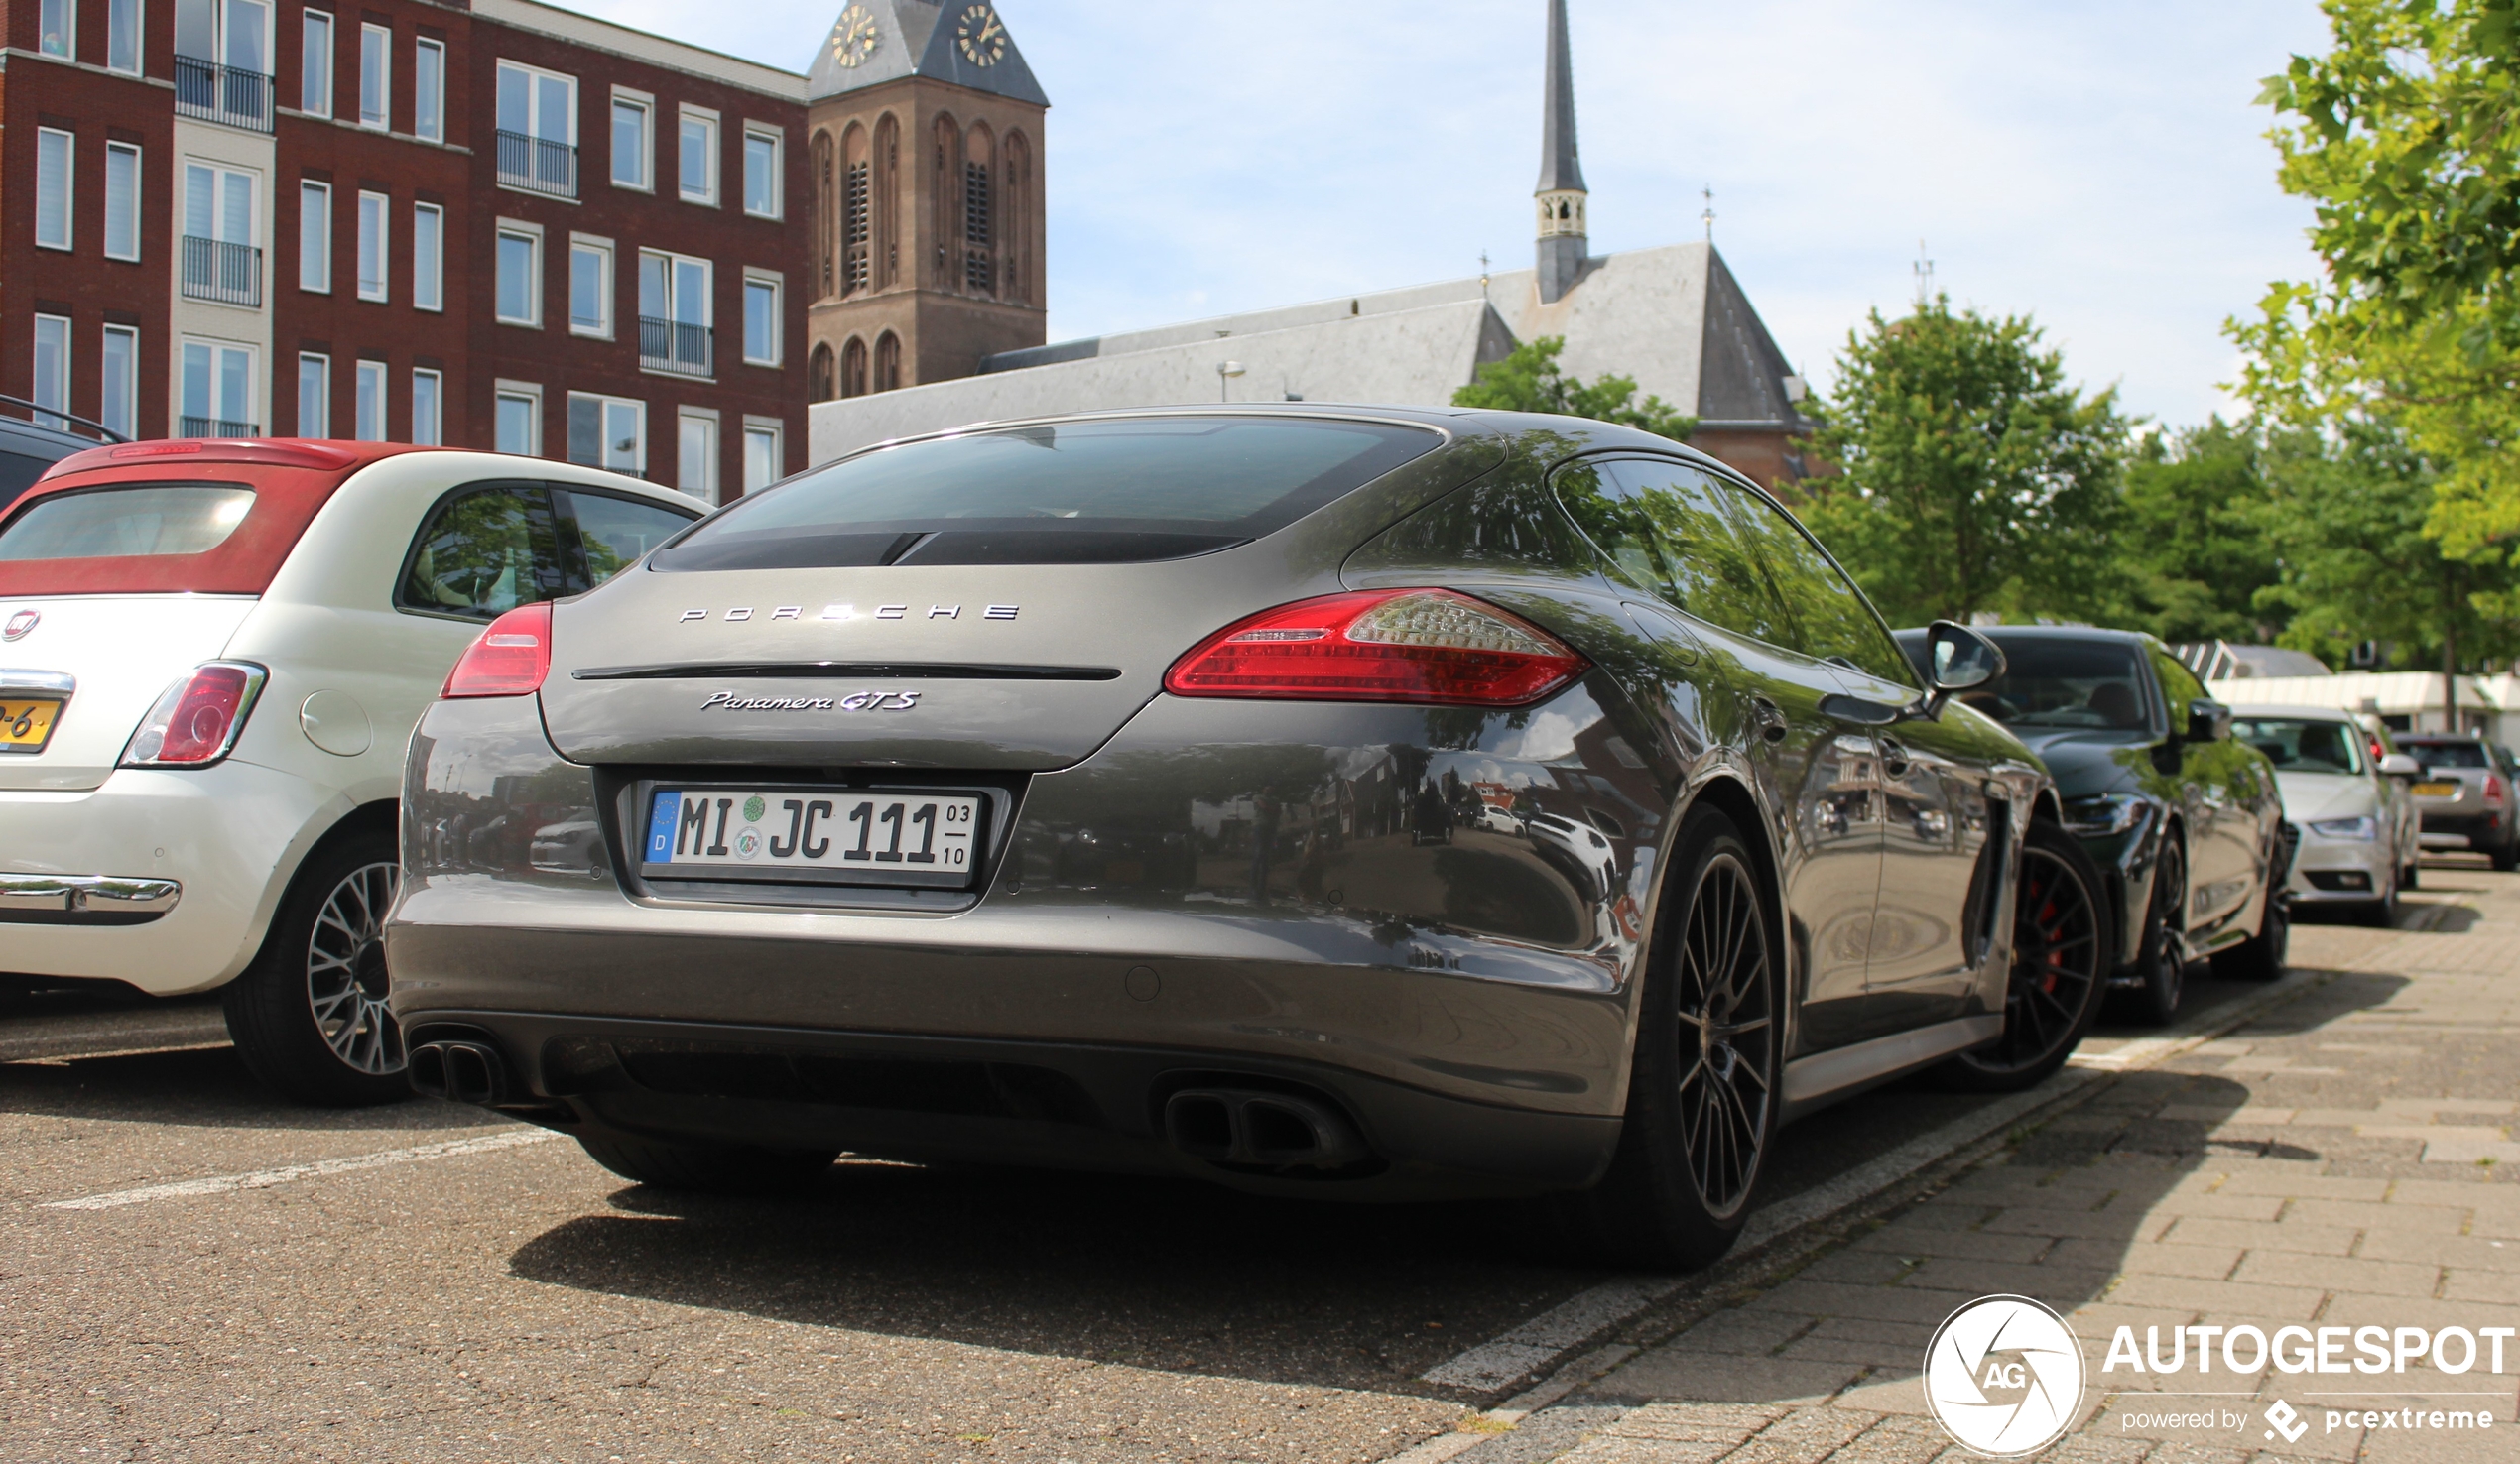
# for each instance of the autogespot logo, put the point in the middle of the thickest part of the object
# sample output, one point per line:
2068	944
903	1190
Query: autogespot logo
2004	1375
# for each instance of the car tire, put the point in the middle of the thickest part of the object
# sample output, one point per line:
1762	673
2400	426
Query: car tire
2160	959
309	1016
2060	959
2412	877
2507	858
2381	913
729	1168
1703	1091
2262	956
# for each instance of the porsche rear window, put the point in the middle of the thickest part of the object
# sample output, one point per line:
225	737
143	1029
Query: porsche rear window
141	520
1088	492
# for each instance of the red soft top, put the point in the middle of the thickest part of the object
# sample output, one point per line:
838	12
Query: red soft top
291	479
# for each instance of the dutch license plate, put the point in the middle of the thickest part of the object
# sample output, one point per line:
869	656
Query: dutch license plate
849	836
26	725
2437	790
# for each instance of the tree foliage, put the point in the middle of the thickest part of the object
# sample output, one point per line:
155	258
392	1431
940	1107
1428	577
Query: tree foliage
1975	477
1530	380
2194	545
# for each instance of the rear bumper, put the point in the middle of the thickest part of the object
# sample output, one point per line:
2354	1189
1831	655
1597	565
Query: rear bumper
2471	830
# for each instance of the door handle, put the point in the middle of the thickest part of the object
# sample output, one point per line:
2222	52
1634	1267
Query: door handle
1770	721
1894	758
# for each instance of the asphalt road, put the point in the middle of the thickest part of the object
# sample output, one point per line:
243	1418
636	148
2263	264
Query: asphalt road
248	1279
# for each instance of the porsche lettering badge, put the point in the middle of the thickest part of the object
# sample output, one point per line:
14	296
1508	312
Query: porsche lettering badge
851	612
856	702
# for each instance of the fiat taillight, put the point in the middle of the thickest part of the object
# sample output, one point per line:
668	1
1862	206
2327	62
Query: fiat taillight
509	659
195	721
1431	646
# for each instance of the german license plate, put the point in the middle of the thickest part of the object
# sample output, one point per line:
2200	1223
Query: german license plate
26	725
845	836
2437	790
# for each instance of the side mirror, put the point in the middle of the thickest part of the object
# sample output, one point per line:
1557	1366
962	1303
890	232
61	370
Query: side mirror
1957	659
2399	765
2208	721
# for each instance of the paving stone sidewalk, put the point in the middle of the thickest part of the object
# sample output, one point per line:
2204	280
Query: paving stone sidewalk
2344	1160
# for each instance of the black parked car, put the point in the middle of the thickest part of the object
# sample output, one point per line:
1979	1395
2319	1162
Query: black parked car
2185	823
30	441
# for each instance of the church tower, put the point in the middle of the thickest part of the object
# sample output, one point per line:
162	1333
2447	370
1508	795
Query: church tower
924	127
1563	241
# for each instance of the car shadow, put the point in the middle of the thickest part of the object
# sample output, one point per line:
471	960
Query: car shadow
202	1087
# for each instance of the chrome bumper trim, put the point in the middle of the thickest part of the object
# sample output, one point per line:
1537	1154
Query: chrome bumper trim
101	900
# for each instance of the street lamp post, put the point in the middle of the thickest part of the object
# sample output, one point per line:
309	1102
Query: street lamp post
1226	371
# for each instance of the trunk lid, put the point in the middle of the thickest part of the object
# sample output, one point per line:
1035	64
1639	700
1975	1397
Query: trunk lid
120	652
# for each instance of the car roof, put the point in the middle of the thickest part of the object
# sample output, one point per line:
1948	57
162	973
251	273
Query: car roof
299	452
37	440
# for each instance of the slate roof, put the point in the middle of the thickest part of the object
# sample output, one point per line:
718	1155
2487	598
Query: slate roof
916	38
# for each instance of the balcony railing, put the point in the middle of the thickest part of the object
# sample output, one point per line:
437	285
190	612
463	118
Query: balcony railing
538	164
219	427
671	345
231	274
216	93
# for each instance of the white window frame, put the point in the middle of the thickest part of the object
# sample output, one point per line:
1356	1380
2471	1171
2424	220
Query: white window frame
707	118
371	384
776	432
429	104
596	245
534	99
429	264
383	121
311	102
777	137
315	265
432	431
379	208
322	426
530	393
131	151
602	405
138	11
623	97
67	150
685	419
532	236
129	417
59	378
68	51
253	416
777	285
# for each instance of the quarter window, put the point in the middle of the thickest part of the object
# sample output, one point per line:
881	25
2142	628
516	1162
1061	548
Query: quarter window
1831	618
1664	530
482	553
616	533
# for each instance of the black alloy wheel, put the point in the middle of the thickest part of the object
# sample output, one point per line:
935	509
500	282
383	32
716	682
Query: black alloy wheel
1704	1093
2060	956
2162	961
310	1017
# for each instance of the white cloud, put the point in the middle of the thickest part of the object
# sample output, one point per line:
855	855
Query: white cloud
2099	166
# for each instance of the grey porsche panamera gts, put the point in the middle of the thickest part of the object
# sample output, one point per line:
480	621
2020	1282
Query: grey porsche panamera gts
1357	803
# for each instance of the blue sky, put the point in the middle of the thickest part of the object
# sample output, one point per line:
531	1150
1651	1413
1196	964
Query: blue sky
2099	167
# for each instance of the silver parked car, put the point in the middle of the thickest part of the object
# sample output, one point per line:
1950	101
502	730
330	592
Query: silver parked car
2360	834
1120	792
2466	796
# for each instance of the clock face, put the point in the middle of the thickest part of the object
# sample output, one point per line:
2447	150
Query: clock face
981	35
855	38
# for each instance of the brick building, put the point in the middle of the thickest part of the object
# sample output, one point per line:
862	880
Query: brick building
499	224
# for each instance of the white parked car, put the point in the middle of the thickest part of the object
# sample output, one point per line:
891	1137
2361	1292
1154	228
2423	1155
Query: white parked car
2362	835
212	655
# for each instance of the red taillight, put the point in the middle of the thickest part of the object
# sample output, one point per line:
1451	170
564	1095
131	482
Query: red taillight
2493	788
196	720
1410	645
510	658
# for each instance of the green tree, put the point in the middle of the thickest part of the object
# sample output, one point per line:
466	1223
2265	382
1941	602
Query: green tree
1530	380
1975	477
2195	542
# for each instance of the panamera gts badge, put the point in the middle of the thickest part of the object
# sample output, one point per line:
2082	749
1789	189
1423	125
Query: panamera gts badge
18	623
851	612
856	703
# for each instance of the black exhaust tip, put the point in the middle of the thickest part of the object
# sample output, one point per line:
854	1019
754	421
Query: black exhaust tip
1269	1129
462	1072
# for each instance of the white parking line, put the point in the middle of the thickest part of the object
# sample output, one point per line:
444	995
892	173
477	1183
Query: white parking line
266	1178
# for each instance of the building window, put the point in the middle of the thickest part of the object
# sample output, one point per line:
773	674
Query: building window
122	201
518	428
608	433
122	40
761	172
222	259
590	287
819	384
520	282
218	391
538	130
699	166
428	257
761	319
53	153
853	368
314	395
314	66
370	404
633	144
52	366
119	409
763	454
979	267
223	62
887	362
429	90
427	388
376	77
372	247
674	314
696	453
314	237
57	27
858	216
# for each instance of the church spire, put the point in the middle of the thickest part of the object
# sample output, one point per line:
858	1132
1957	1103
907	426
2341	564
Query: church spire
1561	195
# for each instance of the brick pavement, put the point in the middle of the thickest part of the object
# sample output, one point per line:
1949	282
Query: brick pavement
2344	1160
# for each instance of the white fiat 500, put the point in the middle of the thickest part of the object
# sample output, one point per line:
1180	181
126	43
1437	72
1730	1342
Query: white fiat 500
212	655
2361	838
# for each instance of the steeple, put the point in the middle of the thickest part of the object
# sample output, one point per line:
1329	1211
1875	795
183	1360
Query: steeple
1561	195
